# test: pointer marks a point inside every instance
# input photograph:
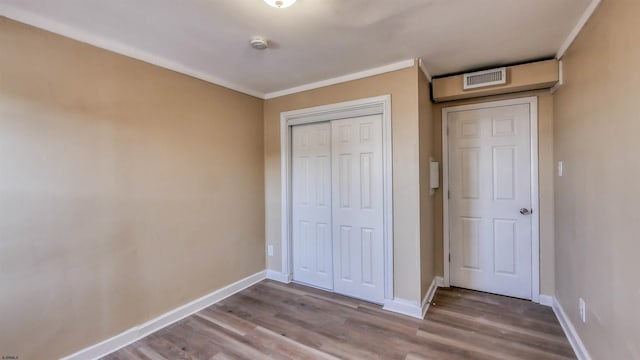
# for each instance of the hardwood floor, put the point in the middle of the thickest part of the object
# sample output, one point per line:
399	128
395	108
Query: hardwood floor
271	320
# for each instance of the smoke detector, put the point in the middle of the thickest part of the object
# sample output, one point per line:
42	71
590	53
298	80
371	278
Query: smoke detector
259	43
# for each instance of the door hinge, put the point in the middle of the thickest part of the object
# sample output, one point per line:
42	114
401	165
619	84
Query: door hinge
449	257
448	194
447	131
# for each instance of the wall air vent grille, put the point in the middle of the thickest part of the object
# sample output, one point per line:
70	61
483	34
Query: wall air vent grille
485	78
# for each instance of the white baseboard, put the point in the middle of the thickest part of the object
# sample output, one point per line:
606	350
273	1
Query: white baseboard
278	276
546	300
137	332
411	308
435	284
570	332
404	307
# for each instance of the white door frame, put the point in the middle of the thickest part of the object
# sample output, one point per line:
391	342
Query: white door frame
370	106
535	218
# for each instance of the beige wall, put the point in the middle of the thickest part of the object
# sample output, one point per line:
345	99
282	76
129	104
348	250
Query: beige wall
427	198
126	190
597	131
545	178
402	87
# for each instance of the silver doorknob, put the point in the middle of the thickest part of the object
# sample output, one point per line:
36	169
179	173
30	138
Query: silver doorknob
525	211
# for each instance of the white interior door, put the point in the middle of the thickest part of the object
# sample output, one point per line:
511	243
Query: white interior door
358	207
489	183
311	204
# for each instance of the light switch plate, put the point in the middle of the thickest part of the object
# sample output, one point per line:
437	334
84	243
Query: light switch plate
560	168
582	307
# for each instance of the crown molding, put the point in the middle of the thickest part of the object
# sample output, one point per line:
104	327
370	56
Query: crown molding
576	30
423	67
118	47
341	79
129	51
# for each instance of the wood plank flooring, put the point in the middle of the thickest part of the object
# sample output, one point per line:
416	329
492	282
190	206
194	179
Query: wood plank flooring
271	320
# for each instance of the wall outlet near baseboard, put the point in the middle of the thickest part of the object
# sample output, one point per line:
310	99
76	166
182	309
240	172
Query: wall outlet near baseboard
582	306
270	250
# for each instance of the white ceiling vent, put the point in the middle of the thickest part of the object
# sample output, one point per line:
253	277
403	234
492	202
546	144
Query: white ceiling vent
485	78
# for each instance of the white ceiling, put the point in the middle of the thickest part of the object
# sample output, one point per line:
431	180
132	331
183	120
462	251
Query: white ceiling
312	40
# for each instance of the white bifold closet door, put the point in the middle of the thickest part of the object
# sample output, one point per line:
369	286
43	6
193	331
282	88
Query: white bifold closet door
311	205
358	252
337	185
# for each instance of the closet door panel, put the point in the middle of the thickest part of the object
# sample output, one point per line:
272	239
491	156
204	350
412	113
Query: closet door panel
357	210
311	205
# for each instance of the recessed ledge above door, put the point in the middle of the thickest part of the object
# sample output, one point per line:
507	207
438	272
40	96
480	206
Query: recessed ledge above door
532	76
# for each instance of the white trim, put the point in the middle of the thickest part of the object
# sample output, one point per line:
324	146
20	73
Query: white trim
560	78
341	79
570	332
423	67
588	12
535	202
136	333
404	307
435	284
374	105
278	276
546	300
330	112
445	197
119	48
285	195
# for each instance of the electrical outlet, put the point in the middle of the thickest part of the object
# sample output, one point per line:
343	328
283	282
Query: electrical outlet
583	310
270	250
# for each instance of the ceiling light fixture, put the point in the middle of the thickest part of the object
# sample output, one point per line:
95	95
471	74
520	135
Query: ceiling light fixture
280	4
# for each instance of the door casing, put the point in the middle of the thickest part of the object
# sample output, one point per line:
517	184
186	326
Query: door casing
535	218
362	107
